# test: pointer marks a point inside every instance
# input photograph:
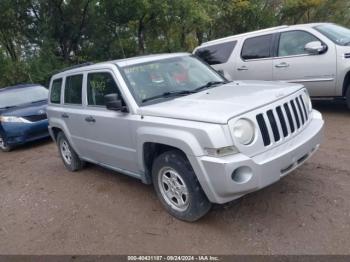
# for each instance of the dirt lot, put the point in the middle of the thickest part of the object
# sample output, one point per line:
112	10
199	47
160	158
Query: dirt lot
46	210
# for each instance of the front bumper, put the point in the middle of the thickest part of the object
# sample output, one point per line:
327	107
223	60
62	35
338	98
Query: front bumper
227	178
20	133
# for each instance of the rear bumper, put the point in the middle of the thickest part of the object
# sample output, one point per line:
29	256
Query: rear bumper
227	178
20	133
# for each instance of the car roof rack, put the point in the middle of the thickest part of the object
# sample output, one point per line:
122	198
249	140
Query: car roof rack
76	66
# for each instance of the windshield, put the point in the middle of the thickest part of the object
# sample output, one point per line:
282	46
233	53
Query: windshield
338	34
23	95
162	79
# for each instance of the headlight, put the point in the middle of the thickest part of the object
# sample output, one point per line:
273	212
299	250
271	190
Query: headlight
13	119
307	100
223	151
244	131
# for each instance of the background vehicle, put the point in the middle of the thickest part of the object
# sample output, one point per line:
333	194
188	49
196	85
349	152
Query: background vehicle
22	115
315	55
173	121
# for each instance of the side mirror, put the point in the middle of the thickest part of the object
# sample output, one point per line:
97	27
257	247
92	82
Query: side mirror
315	48
113	102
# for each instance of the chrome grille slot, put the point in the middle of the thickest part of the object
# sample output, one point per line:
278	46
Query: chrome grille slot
263	129
273	124
279	122
305	112
289	116
296	116
282	121
300	111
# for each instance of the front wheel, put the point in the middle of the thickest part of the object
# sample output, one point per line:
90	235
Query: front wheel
177	187
70	158
4	147
347	96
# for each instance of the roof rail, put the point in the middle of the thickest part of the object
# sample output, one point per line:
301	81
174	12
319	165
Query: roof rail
245	34
76	66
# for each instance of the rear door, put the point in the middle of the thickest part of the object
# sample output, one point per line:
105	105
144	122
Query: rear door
218	56
255	62
293	64
72	111
106	133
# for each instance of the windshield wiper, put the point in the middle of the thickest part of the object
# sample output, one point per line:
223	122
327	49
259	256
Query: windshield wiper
209	84
169	94
7	107
42	100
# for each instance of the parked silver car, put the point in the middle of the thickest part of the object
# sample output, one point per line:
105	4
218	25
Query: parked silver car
173	121
316	55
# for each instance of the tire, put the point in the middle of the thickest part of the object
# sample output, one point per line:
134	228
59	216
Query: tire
173	180
69	157
347	96
4	147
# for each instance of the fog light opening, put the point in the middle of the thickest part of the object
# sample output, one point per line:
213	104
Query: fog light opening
242	174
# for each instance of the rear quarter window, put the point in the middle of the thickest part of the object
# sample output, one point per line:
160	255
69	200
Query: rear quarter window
257	47
55	96
216	54
73	90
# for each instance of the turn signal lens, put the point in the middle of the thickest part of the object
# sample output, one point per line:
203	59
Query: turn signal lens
223	151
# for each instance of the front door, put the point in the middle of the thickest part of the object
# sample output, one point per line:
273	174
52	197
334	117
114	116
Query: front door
106	132
293	64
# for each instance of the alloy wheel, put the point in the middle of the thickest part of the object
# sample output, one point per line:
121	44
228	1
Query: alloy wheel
173	189
65	151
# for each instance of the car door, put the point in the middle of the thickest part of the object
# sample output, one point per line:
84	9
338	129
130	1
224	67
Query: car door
294	64
106	133
219	57
72	111
255	62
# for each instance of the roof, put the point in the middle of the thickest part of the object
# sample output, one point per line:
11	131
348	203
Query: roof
121	62
266	30
18	86
147	58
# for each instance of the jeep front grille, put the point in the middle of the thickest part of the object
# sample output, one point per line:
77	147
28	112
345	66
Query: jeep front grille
281	121
347	55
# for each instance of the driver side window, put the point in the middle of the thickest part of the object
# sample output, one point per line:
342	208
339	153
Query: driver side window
99	85
293	43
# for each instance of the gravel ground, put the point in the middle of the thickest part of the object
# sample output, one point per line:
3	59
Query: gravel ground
44	209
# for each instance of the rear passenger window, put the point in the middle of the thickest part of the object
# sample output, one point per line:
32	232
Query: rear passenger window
216	54
56	87
99	85
257	47
72	90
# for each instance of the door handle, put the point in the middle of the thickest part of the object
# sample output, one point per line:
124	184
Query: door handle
64	115
90	119
242	68
282	65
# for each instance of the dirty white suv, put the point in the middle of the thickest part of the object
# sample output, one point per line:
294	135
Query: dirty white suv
173	121
315	55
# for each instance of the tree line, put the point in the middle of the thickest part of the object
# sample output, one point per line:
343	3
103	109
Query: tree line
40	37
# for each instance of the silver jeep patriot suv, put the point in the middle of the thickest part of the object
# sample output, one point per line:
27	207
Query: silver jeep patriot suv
173	121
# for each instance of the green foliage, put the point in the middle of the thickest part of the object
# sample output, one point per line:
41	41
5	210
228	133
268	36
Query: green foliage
40	37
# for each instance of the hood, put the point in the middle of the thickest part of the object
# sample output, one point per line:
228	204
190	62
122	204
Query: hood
219	104
25	110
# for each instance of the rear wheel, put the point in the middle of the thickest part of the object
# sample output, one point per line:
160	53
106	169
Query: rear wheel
70	158
4	146
177	187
